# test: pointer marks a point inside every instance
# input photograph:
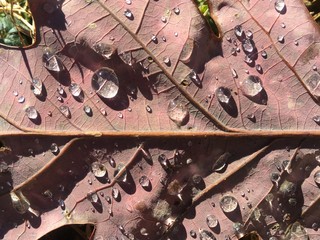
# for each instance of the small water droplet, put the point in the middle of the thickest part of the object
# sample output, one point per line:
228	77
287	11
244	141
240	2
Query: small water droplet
280	39
31	112
104	49
15	93
120	115
51	61
249	34
164	39
111	161
248	59
105	82
228	204
264	54
275	177
36	87
128	14
195	78
316	119
93	197
176	34
164	19
98	169
166	60
314	68
178	112
251	86
149	109
223	95
145	182
87	109
54	148
176	10
129	2
212	221
238	229
251	117
193	234
206	235
60	99
65	111
61	204
296	43
144	232
316	177
247	45
234	73
238	30
283	25
163	161
115	193
315	226
259	68
75	89
279	5
154	38
60	90
233	51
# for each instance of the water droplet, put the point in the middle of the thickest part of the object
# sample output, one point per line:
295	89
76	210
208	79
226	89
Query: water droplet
104	49
93	197
15	93
111	161
176	34
316	119
264	54
65	111
163	161
206	235
120	115
193	234
121	173
21	99
279	5
234	73
149	109
31	112
178	112
129	2
166	60
105	83
249	34
212	221
87	110
247	45
36	87
315	226
54	148
128	14
176	10
233	51
144	232
145	182
316	177
314	68
228	204
251	86
51	61
248	59
238	30
259	68
221	163
154	38
275	177
115	193
19	202
98	169
164	39
238	229
3	167
280	39
288	189
75	89
223	95
283	25
164	19
296	43
298	232
195	78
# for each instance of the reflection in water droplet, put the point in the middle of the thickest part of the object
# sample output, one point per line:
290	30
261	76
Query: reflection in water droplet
178	112
280	39
316	177
228	204
51	61
98	169
65	111
104	49
36	87
93	197
128	14
223	95
21	99
238	30
247	45
145	182
75	89
54	148
31	112
251	86
279	5
206	235
105	83
212	221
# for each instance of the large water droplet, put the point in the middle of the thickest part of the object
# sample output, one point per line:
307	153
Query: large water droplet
51	61
223	95
105	82
279	5
145	182
206	235
251	86
75	89
248	45
65	111
93	197
104	49
178	112
98	169
36	87
228	204
212	221
316	177
238	31
31	112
